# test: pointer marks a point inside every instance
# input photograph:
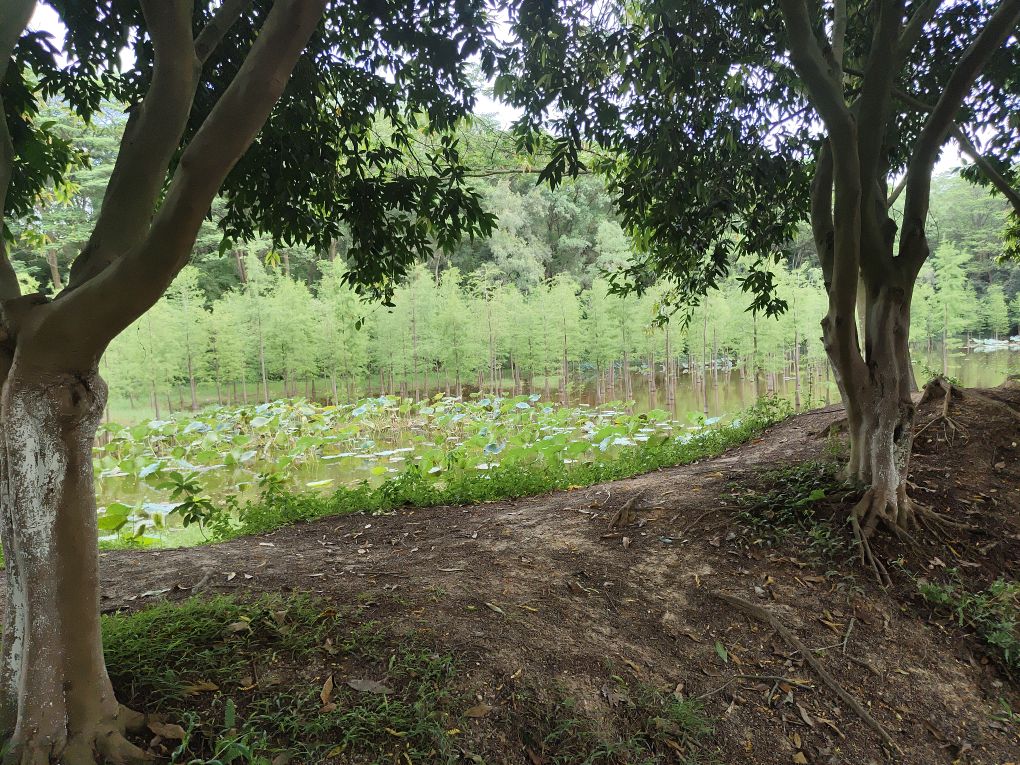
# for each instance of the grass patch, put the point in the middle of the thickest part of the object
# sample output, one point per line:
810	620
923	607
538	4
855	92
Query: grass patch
277	507
245	681
788	503
646	727
992	613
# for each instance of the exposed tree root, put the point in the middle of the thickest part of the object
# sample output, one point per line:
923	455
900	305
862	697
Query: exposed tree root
901	515
106	744
766	617
834	428
941	386
626	514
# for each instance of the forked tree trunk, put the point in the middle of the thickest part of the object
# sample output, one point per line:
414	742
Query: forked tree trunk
57	704
879	407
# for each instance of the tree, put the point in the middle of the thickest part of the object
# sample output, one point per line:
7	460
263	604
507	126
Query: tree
995	311
213	109
721	126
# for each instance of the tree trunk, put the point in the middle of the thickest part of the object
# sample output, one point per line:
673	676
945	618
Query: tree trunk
880	410
57	704
51	261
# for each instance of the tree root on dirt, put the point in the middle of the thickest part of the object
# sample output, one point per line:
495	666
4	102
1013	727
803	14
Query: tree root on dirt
766	617
834	428
900	515
626	514
108	740
941	386
935	387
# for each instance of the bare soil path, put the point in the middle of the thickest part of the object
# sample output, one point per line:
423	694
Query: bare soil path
543	592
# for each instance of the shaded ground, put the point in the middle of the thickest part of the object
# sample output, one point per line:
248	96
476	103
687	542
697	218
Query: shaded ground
541	594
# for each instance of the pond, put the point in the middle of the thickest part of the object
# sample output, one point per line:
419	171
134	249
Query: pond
226	451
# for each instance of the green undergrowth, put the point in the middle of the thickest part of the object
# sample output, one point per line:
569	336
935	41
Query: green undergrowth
651	727
277	507
791	503
292	680
992	613
250	683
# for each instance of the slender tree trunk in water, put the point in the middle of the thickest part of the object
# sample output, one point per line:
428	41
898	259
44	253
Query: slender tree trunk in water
219	394
55	695
945	339
796	369
155	398
563	374
192	383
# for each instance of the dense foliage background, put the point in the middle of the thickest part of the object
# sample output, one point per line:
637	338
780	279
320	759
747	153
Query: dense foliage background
520	310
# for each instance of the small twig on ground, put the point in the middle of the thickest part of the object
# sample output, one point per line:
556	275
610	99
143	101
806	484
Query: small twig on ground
849	629
695	522
770	678
764	616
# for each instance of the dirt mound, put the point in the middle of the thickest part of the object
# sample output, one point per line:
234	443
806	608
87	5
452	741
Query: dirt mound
547	596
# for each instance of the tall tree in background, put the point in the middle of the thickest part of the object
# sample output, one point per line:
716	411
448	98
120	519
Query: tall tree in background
208	78
723	125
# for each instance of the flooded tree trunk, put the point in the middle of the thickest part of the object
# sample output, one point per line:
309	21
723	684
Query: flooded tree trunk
796	369
56	701
565	371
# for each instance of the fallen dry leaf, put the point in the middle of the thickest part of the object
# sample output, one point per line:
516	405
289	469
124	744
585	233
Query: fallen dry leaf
202	686
368	686
327	691
167	730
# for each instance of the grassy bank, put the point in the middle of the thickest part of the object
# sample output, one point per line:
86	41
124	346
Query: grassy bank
294	680
277	507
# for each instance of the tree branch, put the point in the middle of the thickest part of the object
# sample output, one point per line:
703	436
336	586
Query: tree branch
823	85
913	244
151	137
132	284
840	20
826	94
13	22
991	172
218	26
876	89
822	228
912	31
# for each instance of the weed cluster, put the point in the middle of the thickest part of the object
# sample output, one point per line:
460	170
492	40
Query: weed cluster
648	727
992	613
248	681
784	503
260	682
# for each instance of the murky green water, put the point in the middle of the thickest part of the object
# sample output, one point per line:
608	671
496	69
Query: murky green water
349	449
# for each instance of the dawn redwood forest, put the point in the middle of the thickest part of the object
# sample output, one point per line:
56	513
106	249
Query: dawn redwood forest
552	382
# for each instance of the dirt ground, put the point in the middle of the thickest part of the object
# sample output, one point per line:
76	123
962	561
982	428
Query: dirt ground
543	592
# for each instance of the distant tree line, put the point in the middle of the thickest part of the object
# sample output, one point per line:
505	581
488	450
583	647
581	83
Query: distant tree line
527	309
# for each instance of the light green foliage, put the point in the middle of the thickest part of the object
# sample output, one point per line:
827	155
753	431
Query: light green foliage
994	311
955	297
993	613
380	450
